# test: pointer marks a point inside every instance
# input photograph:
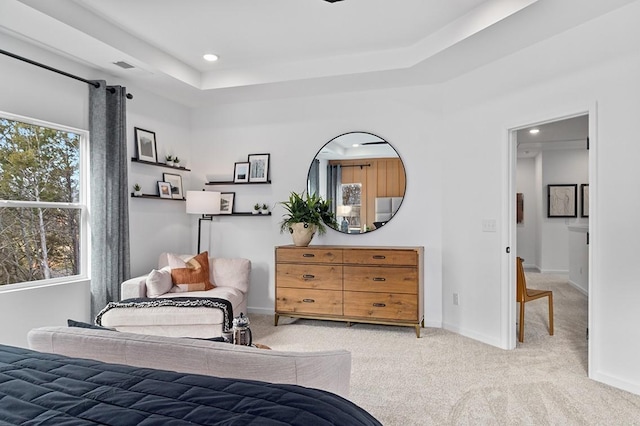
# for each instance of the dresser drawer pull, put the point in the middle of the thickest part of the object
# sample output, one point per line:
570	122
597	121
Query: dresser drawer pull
379	256
379	279
308	301
379	305
308	276
308	255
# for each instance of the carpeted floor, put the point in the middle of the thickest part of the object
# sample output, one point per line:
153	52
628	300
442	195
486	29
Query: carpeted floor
446	379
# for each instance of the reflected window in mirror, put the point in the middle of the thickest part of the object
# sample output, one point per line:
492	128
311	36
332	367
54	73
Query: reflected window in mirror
358	172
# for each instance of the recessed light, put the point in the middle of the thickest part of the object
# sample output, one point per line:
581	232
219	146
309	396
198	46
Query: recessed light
210	57
355	145
534	131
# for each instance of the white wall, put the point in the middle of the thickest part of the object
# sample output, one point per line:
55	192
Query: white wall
594	66
292	131
527	231
560	167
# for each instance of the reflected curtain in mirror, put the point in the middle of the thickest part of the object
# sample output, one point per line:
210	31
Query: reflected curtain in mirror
334	179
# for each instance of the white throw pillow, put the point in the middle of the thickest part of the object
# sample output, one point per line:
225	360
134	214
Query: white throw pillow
159	282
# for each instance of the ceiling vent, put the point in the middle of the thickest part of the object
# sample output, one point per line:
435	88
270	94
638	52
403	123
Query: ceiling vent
124	65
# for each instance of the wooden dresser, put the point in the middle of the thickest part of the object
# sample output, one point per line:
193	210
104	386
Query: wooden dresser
379	285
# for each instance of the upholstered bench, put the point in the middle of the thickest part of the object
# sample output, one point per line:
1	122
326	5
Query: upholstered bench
230	278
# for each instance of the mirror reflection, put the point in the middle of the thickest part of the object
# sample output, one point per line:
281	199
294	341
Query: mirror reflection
364	178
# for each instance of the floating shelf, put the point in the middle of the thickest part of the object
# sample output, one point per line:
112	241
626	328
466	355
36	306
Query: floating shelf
243	214
230	182
157	197
151	163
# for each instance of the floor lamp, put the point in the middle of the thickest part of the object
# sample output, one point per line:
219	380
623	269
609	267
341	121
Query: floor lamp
206	203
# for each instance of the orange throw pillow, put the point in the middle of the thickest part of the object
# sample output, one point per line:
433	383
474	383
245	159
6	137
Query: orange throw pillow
192	274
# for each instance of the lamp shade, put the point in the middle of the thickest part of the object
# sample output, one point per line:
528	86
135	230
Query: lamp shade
203	202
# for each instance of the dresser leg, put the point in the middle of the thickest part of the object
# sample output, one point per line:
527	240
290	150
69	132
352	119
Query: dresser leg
417	326
422	322
275	320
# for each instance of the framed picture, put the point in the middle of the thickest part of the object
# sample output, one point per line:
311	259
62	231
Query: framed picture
146	145
226	202
584	192
241	172
562	200
164	189
519	207
176	184
259	169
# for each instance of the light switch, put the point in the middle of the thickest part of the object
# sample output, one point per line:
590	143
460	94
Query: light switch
489	225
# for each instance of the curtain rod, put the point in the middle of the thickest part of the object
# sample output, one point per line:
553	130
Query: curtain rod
357	165
66	74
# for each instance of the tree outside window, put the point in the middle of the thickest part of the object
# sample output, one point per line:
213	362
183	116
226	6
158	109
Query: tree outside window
41	215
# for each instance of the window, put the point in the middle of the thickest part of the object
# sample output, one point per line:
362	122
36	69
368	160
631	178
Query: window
349	209
43	225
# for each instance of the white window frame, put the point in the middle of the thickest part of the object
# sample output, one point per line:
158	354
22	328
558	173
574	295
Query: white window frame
82	205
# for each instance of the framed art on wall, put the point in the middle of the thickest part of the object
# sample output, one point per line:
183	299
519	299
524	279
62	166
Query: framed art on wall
226	202
241	172
176	184
146	145
562	200
259	169
584	192
164	189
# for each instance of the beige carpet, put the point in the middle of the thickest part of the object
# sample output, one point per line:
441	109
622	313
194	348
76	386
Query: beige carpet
443	378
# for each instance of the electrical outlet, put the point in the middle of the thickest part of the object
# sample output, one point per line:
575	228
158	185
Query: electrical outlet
489	225
456	299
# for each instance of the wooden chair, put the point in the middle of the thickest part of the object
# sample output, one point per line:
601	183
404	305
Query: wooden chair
523	295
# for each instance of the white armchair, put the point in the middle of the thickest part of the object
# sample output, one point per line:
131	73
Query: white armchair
231	279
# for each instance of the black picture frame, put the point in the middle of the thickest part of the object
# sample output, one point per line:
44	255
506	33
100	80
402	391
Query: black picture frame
146	145
226	202
259	167
584	200
176	185
562	200
241	172
164	189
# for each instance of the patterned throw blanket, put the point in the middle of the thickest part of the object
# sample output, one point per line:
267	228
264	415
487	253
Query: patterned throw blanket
185	302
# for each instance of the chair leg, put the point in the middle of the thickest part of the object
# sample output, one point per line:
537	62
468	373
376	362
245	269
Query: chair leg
551	314
521	331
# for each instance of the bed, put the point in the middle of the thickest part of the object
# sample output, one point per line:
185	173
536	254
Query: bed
39	388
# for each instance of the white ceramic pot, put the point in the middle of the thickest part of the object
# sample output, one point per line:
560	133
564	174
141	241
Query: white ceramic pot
302	233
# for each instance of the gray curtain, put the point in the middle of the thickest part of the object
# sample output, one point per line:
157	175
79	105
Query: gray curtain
314	178
334	179
109	216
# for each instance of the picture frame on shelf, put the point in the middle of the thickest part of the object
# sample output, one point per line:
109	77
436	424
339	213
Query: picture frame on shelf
241	172
176	185
259	167
226	202
146	145
584	203
164	189
562	200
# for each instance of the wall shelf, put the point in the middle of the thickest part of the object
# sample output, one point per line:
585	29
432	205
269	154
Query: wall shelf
243	214
230	182
157	197
151	163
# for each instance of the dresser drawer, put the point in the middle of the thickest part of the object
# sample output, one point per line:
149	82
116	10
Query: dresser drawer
384	306
306	301
308	255
381	257
381	279
325	277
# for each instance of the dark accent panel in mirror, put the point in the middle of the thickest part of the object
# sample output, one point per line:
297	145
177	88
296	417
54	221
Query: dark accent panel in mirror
363	176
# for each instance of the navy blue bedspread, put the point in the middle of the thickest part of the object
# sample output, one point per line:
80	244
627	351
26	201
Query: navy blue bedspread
46	389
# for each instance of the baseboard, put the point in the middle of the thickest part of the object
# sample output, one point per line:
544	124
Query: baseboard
554	271
617	382
580	289
261	311
473	335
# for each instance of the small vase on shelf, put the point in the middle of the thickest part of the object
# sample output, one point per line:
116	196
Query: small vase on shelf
256	209
176	162
168	160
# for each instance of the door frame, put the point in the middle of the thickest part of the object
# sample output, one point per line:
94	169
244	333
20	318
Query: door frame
508	275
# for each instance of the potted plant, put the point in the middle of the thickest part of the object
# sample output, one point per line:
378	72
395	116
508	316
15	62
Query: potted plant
137	190
265	209
168	159
305	215
256	208
176	162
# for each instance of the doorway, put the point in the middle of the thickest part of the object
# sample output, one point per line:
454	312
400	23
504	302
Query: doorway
566	144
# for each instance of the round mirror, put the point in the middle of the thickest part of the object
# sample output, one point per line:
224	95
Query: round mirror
364	178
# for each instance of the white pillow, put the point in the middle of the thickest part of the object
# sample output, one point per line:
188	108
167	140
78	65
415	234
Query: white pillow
159	282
